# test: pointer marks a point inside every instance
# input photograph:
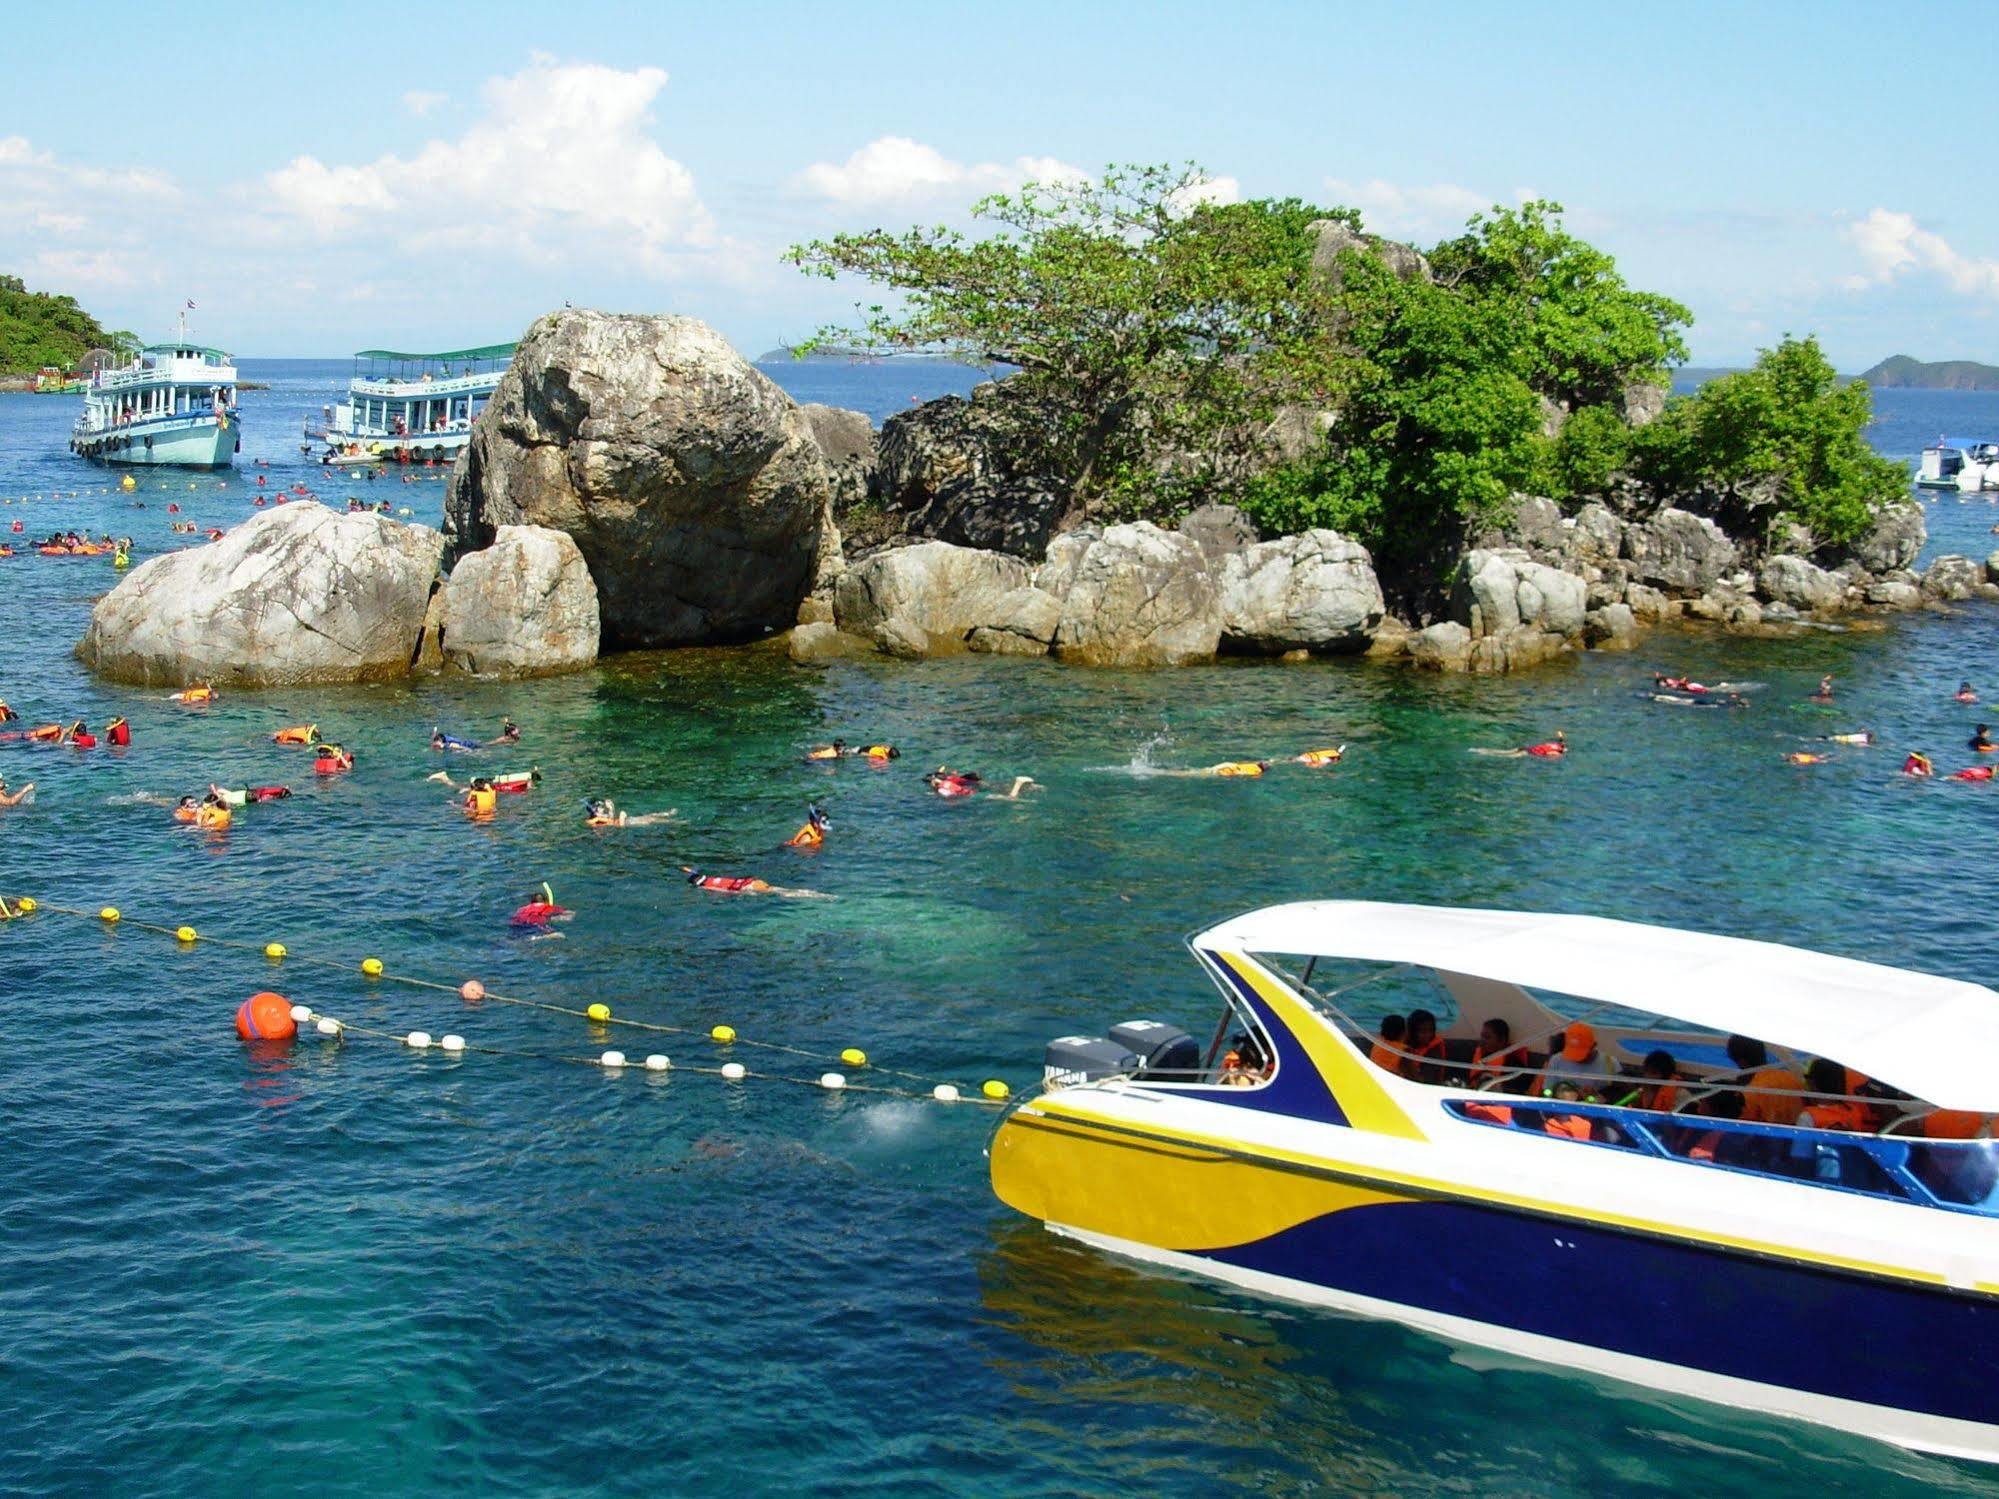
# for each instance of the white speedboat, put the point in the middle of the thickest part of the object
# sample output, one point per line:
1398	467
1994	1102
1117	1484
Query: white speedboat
1842	1276
409	408
1961	463
172	405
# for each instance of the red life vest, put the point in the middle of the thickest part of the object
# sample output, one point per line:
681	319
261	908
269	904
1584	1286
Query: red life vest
1972	773
1568	1126
1490	1113
538	913
1548	750
735	884
84	741
119	733
268	793
955	785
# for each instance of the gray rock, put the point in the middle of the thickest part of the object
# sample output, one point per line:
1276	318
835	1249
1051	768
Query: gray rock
846	442
1065	554
1442	647
1333	237
691	483
1554	417
1599	533
1391	638
926	599
1952	577
816	608
1611	628
295	594
1316	592
524	606
1894	595
1648	604
1140	596
1220	531
1895	540
1022	623
1810	589
1642	403
824	641
1538	524
1992	568
1680	553
1775	613
1517	649
1498	591
957	470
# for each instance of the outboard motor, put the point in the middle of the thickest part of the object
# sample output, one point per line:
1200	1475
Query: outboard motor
1167	1054
1070	1060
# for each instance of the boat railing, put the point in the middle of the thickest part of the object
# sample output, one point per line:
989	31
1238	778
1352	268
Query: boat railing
1960	1175
452	385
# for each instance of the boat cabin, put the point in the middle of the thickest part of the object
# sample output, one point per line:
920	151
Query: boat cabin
419	405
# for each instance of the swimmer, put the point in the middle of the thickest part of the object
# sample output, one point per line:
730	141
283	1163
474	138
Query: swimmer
1678	684
518	781
878	754
510	733
481	800
330	759
302	735
837	750
1708	700
1918	764
193	697
1964	694
212	813
248	794
1863	737
439	740
1320	757
15	798
1824	694
1804	757
540	909
7	714
739	884
1980	742
1971	773
813	834
1551	749
78	736
952	783
602	812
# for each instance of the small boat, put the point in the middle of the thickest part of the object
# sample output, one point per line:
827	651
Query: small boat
172	405
1848	1277
53	380
408	408
1960	463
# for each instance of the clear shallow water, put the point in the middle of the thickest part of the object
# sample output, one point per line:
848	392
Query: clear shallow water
365	1271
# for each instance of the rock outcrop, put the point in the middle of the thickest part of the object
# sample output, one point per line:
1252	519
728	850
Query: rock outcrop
953	470
1139	596
1682	554
1333	237
1801	585
524	606
846	442
1314	592
1499	591
294	595
692	485
1950	578
1895	539
928	599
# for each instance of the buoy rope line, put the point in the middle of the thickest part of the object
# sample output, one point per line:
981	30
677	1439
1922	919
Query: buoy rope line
990	1092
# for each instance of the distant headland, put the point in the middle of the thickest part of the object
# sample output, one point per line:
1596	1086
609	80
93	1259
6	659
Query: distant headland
1940	374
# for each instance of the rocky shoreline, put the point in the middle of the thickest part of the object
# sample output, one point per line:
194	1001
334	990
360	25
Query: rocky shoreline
636	483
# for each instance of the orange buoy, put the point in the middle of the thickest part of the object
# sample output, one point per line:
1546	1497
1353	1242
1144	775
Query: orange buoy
472	989
266	1017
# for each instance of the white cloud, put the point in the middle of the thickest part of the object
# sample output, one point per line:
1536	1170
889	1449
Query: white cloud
59	223
896	169
1891	244
1423	213
562	157
64	270
422	101
1219	191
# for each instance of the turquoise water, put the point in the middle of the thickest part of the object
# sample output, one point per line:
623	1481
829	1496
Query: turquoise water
355	1269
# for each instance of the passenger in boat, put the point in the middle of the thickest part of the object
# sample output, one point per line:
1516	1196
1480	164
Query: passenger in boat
1980	741
1832	1110
1766	1086
1568	1126
1579	1059
1243	1065
1425	1049
1496	1063
1718	1146
1660	1090
1387	1052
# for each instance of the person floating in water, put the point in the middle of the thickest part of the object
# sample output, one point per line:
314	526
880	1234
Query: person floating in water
539	909
1971	773
1706	699
1319	758
330	759
1980	742
813	834
15	798
194	697
602	812
1964	694
745	884
1549	749
1824	694
1678	684
302	735
1805	757
441	741
510	733
7	714
950	783
1918	764
1862	737
248	794
837	750
481	800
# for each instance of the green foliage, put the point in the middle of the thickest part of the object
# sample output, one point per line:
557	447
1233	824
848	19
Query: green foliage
38	329
1788	432
1144	320
1593	447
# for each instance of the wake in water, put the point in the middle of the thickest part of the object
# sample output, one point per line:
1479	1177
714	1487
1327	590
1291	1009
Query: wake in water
1142	761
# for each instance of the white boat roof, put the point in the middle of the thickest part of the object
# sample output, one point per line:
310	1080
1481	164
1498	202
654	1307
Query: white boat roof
1936	1038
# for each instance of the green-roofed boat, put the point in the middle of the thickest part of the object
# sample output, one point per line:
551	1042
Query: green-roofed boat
174	406
408	408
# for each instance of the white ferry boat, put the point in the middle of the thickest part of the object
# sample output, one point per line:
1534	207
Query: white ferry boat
409	408
173	405
1524	1189
1965	464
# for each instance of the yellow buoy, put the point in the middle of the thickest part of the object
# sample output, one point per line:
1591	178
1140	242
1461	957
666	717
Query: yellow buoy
372	967
723	1033
186	934
274	949
25	903
853	1056
109	913
994	1088
128	484
599	1012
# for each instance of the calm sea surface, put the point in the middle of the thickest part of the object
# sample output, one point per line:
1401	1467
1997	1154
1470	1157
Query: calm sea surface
360	1270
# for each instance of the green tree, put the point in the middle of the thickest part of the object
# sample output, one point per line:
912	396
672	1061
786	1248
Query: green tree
1145	321
37	329
1785	440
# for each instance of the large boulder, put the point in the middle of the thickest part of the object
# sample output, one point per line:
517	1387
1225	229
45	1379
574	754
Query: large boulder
846	442
1502	590
1681	553
524	606
1315	591
1220	531
1802	585
1139	596
692	485
1444	646
1022	623
296	594
1895	539
927	599
1642	403
957	470
1332	237
1952	577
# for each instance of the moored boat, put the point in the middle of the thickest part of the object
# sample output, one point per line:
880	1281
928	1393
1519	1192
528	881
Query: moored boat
1960	463
409	408
172	405
1709	1229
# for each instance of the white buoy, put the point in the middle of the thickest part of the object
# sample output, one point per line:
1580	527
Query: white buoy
452	1043
832	1081
417	1040
328	1026
658	1062
735	1072
613	1059
302	1014
945	1092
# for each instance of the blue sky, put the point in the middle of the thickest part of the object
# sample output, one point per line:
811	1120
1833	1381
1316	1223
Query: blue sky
1778	169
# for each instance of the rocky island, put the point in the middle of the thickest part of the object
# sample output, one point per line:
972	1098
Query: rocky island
1899	370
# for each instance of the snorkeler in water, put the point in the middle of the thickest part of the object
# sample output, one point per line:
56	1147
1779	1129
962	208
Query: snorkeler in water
439	740
602	812
510	733
745	884
1824	694
1861	737
813	834
1548	749
1319	758
1964	694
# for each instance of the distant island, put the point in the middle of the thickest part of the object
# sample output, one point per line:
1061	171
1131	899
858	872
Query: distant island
40	329
1941	374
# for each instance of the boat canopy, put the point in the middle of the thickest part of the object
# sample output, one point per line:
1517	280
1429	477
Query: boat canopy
490	351
1935	1038
185	349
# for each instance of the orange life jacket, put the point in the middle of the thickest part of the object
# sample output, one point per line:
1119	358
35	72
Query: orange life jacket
600	822
879	752
1831	1114
1319	757
299	734
1762	1104
1568	1126
46	733
1239	768
806	837
481	803
1490	1113
1954	1124
824	752
1388	1057
1660	1098
211	817
1484	1068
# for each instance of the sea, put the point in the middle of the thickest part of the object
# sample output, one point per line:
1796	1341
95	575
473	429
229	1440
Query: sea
351	1267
